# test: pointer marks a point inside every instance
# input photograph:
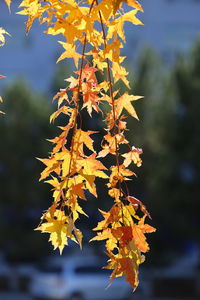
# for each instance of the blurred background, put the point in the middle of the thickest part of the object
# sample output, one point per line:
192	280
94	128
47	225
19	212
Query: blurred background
164	66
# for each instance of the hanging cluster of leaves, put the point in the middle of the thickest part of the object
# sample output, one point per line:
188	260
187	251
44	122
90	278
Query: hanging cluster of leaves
93	32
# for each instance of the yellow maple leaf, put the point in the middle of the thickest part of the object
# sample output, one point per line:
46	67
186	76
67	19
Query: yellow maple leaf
91	166
2	37
112	51
59	226
8	2
83	138
133	155
120	72
106	9
124	102
130	17
60	141
116	27
79	236
52	166
54	163
33	10
64	109
73	82
70	52
89	182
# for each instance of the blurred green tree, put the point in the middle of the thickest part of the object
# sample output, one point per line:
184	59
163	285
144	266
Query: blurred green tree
23	130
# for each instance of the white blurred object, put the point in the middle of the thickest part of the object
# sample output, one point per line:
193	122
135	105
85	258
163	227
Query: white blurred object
77	277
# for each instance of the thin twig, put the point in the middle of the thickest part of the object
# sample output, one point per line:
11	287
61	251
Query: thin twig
77	109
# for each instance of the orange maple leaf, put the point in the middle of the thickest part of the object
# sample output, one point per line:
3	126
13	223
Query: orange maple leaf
127	266
133	3
135	202
119	173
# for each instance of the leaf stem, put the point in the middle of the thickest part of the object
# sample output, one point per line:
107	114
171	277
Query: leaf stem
77	108
110	87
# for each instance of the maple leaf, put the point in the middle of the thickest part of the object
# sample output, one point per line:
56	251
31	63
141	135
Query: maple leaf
91	166
64	109
112	51
2	37
62	96
128	215
77	189
89	182
124	102
79	236
119	173
54	182
52	166
83	138
116	27
90	99
33	9
73	82
76	210
139	237
135	202
105	151
120	72
55	163
130	17
106	9
145	227
106	234
60	141
88	73
111	217
125	266
133	155
59	227
8	2
133	3
114	193
110	147
70	52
